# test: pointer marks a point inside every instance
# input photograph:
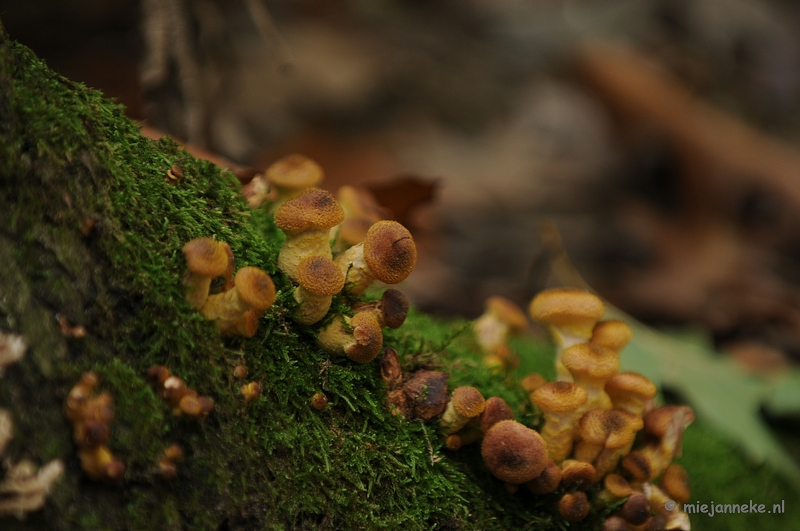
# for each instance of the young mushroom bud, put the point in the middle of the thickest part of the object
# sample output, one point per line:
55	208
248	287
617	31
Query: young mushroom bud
250	391
631	392
514	453
591	367
570	315
78	395
254	290
291	175
574	506
388	254
636	510
391	310
500	320
206	259
531	382
612	334
361	343
319	401
320	279
465	404
306	220
560	402
167	467
606	435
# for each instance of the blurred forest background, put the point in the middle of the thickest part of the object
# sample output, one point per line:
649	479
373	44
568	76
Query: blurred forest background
655	141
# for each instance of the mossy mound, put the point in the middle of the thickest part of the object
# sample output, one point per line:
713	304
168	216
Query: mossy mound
91	229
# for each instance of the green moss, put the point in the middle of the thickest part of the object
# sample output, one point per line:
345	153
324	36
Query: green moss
69	159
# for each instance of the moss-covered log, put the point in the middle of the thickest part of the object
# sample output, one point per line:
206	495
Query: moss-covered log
91	231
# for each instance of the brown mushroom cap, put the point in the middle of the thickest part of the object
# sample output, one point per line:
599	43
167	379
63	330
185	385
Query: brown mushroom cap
617	485
574	506
560	396
627	384
320	276
675	482
573	308
368	335
609	428
547	481
390	251
591	362
312	209
255	288
394	306
514	453
615	523
206	257
468	401
507	312
636	510
577	474
613	334
295	171
657	422
496	410
533	381
637	466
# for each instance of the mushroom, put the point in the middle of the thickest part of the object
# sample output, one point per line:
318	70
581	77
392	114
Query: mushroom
631	392
675	482
674	520
606	435
254	290
500	320
591	366
320	279
319	401
615	487
250	391
100	464
612	334
465	404
636	510
574	506
291	175
577	475
546	482
206	259
615	523
306	220
388	254
514	453
391	310
667	425
560	403
167	468
359	337
570	315
496	409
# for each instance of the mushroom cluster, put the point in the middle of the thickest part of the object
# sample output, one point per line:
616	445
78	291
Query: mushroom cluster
182	399
592	417
90	415
500	320
245	298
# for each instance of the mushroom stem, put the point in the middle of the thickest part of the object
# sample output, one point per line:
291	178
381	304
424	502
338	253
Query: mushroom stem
465	404
359	337
560	403
253	290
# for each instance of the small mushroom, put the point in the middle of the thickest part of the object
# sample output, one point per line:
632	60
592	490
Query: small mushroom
291	175
100	464
675	482
465	404
254	290
360	337
570	315
631	392
206	259
591	366
496	409
574	506
612	334
514	453
388	253
390	310
250	391
615	487
666	424
560	403
636	510
319	401
606	435
306	220
546	482
577	475
320	279
500	320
